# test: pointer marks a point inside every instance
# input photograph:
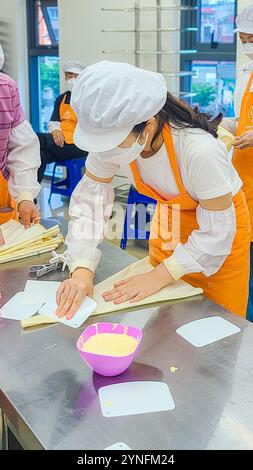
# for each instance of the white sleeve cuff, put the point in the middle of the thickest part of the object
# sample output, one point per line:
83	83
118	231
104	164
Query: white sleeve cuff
84	263
54	126
24	196
175	269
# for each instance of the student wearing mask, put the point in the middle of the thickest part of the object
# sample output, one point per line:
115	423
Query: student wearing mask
58	144
242	125
170	152
19	157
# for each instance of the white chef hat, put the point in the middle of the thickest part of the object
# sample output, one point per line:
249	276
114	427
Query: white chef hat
1	57
109	99
73	66
244	21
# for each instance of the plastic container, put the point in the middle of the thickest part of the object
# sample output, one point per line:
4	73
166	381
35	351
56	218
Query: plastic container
104	364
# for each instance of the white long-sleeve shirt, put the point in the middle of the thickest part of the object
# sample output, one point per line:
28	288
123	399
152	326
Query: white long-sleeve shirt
23	162
241	84
207	173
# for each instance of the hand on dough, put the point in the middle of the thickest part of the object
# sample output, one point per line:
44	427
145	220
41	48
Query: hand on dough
138	287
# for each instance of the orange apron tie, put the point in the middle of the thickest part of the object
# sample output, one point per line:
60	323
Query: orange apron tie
229	286
242	159
68	121
6	201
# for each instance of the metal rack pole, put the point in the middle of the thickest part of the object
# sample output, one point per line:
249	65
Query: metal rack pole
128	51
158	35
151	30
137	33
168	7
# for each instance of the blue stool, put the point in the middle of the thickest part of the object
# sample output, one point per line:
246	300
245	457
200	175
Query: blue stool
139	232
49	222
74	169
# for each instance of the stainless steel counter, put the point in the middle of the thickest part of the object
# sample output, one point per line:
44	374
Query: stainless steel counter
50	398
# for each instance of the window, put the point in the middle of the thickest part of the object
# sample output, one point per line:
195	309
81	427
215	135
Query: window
43	38
217	19
48	78
212	68
46	17
213	85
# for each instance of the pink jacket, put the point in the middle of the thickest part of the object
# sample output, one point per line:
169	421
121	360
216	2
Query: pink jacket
11	115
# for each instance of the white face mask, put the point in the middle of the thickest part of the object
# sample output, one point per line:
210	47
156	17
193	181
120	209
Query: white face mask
70	83
125	156
248	49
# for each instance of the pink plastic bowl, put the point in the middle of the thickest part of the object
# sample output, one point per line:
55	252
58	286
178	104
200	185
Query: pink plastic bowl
108	365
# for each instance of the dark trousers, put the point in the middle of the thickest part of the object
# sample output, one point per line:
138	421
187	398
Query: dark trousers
50	152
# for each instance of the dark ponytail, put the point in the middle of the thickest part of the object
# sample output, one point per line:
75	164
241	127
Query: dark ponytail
178	114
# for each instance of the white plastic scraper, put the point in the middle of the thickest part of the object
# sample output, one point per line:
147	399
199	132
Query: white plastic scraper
19	308
207	330
132	398
45	291
118	446
85	310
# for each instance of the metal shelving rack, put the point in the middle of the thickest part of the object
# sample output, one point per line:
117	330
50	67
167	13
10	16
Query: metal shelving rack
158	52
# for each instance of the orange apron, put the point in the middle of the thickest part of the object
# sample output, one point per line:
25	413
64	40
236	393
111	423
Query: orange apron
243	159
68	121
229	286
6	201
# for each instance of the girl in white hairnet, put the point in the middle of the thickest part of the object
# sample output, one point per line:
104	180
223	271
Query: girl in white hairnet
58	144
170	152
242	125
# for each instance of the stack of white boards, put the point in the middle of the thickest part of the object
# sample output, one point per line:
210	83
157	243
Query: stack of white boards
22	243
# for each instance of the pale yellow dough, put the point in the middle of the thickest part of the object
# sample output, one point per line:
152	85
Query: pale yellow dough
111	344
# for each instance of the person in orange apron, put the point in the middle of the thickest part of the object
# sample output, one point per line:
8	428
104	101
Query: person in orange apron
8	206
242	125
19	157
58	144
200	231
